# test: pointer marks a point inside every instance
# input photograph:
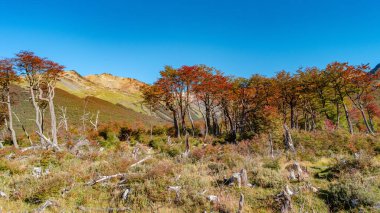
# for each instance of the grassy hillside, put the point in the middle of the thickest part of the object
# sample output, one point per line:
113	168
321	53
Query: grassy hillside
75	105
82	87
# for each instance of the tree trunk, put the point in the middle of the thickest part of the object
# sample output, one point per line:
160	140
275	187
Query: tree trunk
350	128
10	121
371	122
175	123
205	120
208	115
37	113
53	119
191	121
366	121
232	126
215	125
23	128
241	203
288	139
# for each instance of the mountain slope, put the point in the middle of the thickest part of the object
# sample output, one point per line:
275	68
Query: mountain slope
116	90
75	106
117	99
124	85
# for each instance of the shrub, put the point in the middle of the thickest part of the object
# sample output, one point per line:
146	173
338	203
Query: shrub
267	178
272	164
126	133
108	139
349	192
217	168
157	143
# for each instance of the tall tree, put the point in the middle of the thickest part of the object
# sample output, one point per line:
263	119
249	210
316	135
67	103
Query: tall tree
53	73
208	93
360	89
7	77
337	76
32	66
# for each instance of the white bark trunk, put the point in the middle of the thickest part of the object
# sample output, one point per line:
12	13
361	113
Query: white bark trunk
10	122
37	110
53	118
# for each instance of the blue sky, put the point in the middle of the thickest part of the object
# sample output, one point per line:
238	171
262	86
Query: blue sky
136	38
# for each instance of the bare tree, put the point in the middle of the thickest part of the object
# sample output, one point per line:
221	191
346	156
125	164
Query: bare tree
63	119
7	76
85	116
95	123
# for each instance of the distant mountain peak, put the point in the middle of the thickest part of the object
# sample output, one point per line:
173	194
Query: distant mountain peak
375	69
108	80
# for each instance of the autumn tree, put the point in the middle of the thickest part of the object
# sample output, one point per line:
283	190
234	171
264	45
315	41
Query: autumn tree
52	74
162	94
337	77
288	93
7	77
208	91
360	89
41	75
31	66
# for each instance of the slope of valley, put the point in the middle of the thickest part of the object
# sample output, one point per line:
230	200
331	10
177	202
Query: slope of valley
116	90
116	99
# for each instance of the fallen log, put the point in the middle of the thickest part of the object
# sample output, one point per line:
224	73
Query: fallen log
45	205
106	178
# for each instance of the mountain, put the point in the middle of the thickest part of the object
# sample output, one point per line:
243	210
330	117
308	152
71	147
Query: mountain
125	85
116	90
117	99
376	69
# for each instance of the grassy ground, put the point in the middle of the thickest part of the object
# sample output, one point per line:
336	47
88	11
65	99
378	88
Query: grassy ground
345	171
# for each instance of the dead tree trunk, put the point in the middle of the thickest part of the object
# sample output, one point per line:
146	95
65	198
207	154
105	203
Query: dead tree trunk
288	139
63	119
95	123
244	177
241	203
285	200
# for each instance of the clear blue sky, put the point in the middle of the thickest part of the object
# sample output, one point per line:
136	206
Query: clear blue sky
136	38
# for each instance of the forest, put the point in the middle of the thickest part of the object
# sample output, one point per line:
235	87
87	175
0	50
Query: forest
300	141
